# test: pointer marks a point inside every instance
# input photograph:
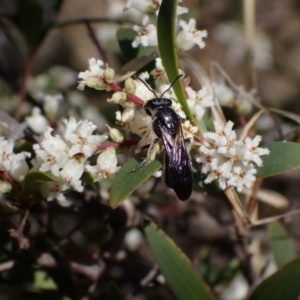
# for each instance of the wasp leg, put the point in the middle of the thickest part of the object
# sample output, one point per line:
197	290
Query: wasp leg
143	149
188	144
153	150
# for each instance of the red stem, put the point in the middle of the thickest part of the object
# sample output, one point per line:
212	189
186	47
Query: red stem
135	99
23	88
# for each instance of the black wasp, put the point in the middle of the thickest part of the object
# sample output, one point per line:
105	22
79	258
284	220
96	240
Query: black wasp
167	126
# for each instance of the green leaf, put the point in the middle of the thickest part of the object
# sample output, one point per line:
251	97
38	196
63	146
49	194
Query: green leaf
33	181
282	247
125	183
43	281
284	284
183	280
166	25
125	37
114	292
284	156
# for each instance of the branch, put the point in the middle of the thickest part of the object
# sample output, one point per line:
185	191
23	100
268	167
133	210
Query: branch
91	20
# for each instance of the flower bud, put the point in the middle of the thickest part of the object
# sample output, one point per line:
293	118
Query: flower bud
109	75
118	97
115	135
92	81
36	121
130	86
51	105
4	187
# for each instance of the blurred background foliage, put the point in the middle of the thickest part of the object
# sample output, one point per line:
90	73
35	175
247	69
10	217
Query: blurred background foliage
75	251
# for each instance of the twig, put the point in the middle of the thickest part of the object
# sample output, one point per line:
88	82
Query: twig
95	40
23	89
91	271
249	23
241	246
17	233
92	20
150	276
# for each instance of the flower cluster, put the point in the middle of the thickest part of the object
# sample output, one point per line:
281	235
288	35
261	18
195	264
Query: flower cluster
187	37
13	163
66	157
229	160
134	95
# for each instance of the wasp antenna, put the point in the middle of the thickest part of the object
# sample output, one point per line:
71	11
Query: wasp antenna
171	84
145	83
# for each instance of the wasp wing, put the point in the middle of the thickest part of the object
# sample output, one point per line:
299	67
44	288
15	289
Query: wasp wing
177	165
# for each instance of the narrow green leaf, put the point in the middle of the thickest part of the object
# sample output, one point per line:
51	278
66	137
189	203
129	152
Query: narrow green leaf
284	156
282	247
33	181
166	25
125	183
284	284
183	280
114	292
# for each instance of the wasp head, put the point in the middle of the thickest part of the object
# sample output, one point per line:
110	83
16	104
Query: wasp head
155	104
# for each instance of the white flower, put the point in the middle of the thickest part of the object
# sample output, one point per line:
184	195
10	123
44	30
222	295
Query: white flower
137	121
79	135
251	151
150	6
6	153
146	34
224	94
159	73
72	173
54	190
52	153
239	100
19	167
190	36
51	105
142	5
198	101
93	77
188	130
181	10
177	106
14	164
228	160
143	92
37	122
242	176
106	165
51	160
